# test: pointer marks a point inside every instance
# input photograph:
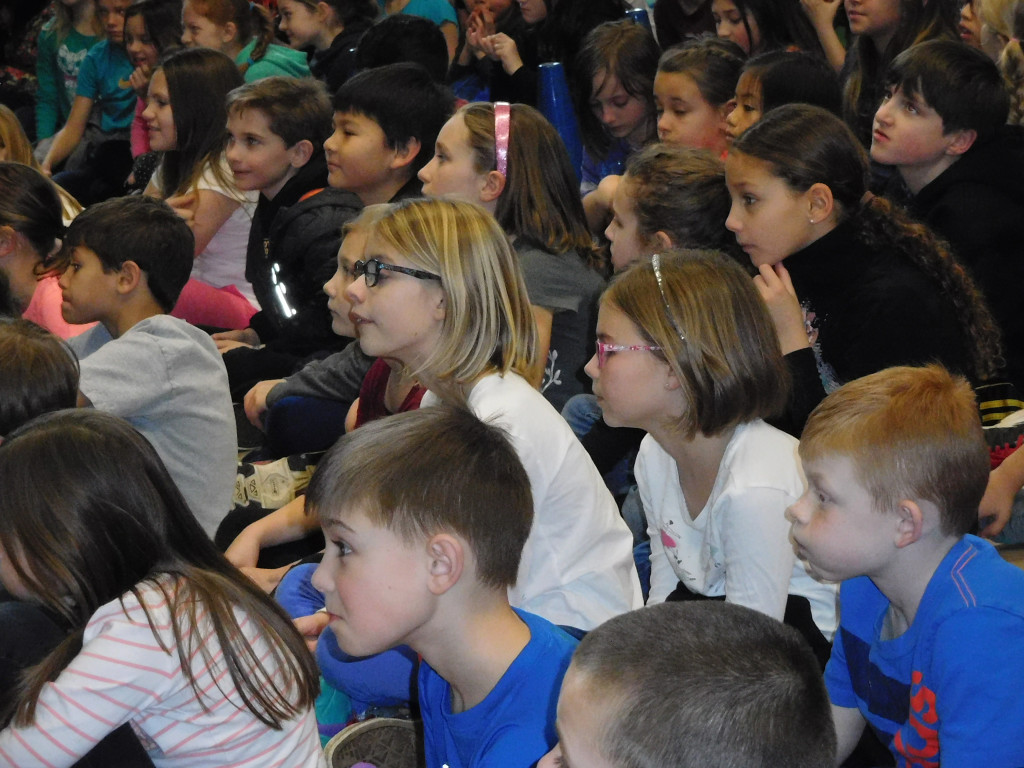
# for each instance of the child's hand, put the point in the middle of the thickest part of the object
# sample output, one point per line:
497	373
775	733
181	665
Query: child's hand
185	206
479	26
501	47
822	13
311	627
140	80
245	337
997	503
255	402
597	204
776	288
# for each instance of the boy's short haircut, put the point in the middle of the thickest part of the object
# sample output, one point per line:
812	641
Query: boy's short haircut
961	83
429	471
140	229
911	433
402	37
404	101
40	373
699	684
297	108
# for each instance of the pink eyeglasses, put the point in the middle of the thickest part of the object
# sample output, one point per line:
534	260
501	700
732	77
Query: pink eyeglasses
604	349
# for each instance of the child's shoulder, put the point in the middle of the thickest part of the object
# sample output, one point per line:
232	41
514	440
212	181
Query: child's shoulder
975	576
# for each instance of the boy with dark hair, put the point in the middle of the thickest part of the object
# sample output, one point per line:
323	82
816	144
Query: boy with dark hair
691	685
943	127
932	619
386	121
127	260
425	515
403	37
276	128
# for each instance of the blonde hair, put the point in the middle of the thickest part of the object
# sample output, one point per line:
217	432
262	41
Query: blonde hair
715	333
488	326
19	150
910	432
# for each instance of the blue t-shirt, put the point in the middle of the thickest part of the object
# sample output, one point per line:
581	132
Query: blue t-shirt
515	725
438	11
105	66
948	690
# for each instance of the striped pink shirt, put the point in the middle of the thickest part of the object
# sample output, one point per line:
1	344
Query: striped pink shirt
123	675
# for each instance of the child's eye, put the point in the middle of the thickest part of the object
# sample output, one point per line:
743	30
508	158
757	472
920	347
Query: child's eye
252	141
749	199
749	108
911	107
343	548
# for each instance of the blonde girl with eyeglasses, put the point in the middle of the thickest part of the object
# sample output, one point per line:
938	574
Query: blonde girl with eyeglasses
686	352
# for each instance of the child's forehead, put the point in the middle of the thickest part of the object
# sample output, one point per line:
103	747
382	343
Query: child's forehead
113	5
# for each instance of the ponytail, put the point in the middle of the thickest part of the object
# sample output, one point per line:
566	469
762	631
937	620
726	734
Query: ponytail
884	227
261	26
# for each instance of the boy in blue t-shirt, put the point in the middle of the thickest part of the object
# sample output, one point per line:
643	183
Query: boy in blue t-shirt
928	651
425	515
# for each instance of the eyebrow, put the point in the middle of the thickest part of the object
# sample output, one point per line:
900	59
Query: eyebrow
334	522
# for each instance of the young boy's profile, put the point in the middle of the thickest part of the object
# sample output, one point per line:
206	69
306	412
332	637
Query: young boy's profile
276	128
386	122
692	685
943	127
127	260
928	651
425	515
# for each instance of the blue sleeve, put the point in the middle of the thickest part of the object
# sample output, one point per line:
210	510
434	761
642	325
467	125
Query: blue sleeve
974	688
89	84
47	74
438	11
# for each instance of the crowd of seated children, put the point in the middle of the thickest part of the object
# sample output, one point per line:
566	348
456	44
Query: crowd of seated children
386	121
692	685
510	160
451	306
759	26
125	262
896	465
186	125
276	131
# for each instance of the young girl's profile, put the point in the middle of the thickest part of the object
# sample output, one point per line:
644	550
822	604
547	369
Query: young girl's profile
685	352
781	77
31	222
164	633
511	161
853	284
693	90
669	197
186	116
244	31
329	31
758	26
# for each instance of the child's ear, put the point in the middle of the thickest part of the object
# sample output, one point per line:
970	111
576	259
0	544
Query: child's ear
961	141
441	310
446	558
323	11
494	185
662	241
910	525
301	151
820	203
406	153
8	240
229	32
128	277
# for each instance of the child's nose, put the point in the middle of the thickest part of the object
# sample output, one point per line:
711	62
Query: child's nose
591	368
356	290
796	512
732	223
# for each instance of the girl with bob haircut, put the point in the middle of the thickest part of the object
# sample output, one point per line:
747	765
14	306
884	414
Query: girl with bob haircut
534	197
686	353
205	666
244	31
863	287
186	114
30	224
440	291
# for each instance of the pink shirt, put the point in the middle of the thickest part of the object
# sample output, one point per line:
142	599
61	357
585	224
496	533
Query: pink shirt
44	310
